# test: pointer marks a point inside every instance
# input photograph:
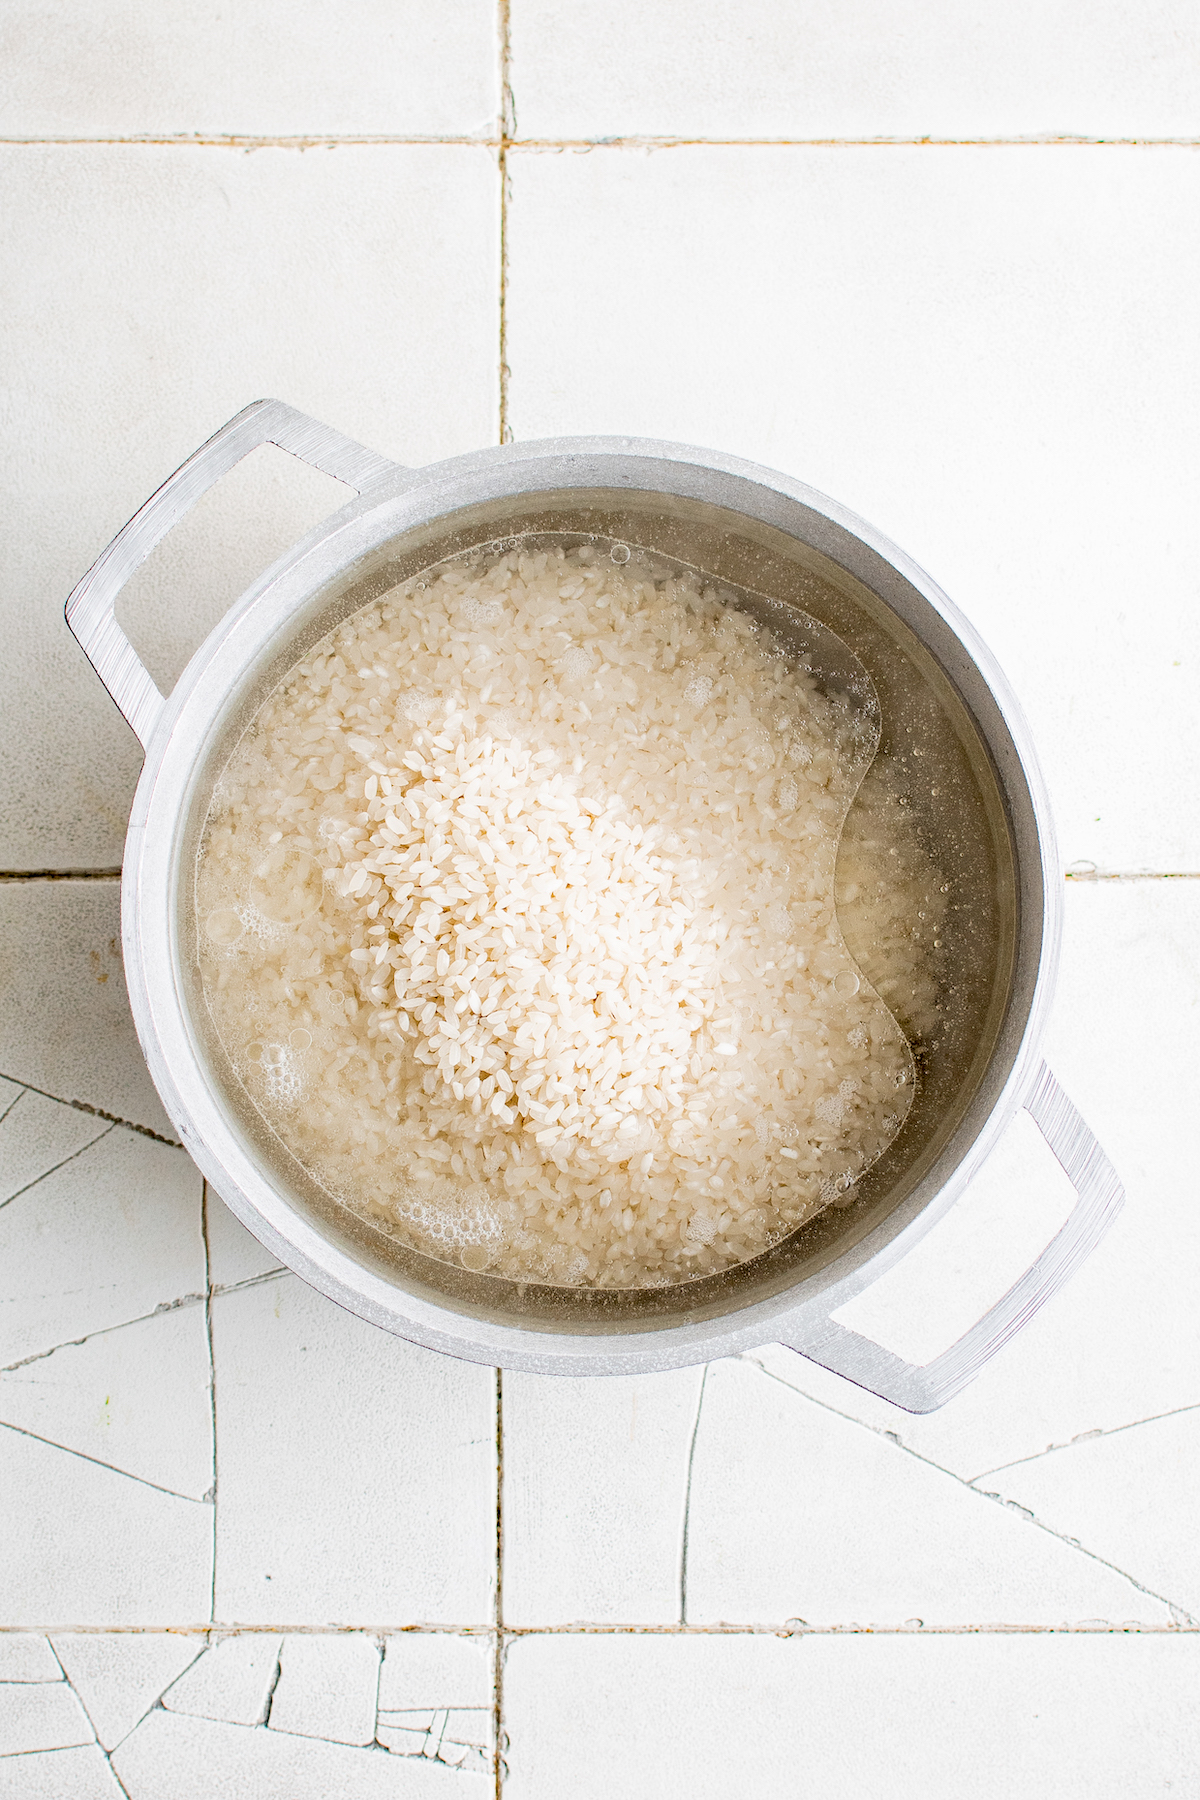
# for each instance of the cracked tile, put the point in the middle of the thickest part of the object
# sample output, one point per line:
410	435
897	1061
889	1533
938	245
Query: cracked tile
105	1239
85	1545
435	1699
118	1676
54	1774
1076	1716
234	1254
1129	1496
943	285
863	69
433	1669
384	255
593	1483
37	1136
10	1093
1121	1342
136	1397
116	70
65	1025
797	1513
171	1757
40	1715
27	1658
406	1533
327	1688
232	1681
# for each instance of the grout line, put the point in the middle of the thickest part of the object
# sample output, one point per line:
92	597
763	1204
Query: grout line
60	874
212	1385
508	125
97	1112
607	1628
53	1170
687	1499
1085	1437
498	1609
998	1499
247	141
83	1456
1079	873
237	1628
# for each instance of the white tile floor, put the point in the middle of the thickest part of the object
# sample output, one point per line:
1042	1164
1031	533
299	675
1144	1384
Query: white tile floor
937	259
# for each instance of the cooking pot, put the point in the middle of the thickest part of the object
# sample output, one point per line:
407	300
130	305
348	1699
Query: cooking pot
954	741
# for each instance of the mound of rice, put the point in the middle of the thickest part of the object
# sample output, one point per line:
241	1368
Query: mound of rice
518	923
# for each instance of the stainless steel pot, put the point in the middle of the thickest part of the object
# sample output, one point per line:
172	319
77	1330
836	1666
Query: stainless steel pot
952	730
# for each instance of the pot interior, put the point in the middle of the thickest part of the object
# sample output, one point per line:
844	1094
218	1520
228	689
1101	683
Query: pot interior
944	757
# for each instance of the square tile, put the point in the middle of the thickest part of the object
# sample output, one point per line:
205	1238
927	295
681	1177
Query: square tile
386	1454
152	291
87	1545
436	1700
796	1514
119	70
979	350
859	70
595	1480
427	1669
1077	1716
1127	1494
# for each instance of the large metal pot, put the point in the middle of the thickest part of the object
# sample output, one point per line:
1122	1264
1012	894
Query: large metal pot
980	801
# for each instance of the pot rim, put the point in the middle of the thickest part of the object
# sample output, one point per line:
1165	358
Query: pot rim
403	501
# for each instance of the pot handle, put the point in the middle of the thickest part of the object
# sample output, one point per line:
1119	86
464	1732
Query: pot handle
922	1389
90	611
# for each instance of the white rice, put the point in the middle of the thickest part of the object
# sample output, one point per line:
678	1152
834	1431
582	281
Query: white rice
518	924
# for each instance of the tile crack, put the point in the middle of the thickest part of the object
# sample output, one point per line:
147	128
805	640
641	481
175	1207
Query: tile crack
998	1499
53	1170
212	1386
16	1099
1086	1437
99	1463
245	141
96	1112
164	1306
687	1498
